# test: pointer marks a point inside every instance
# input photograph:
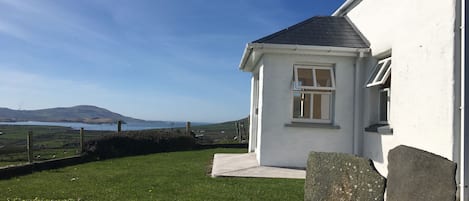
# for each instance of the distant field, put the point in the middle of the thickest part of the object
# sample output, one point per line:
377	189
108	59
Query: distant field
49	142
56	142
222	132
164	176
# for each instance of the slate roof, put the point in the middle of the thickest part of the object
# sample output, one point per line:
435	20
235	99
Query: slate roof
332	31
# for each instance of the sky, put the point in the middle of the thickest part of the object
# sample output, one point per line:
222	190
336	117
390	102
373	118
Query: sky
174	60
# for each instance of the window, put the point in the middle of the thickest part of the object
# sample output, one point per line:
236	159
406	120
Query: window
313	88
314	78
381	73
383	105
380	77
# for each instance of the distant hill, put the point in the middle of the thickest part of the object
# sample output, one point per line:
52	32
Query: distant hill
81	113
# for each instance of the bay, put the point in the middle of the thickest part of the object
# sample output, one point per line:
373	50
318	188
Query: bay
105	127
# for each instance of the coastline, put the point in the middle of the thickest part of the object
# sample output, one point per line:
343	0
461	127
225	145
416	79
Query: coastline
98	127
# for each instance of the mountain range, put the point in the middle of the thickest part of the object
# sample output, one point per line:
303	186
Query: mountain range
82	113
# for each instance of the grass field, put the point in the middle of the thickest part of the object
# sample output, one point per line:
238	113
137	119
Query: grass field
57	142
163	176
222	132
49	142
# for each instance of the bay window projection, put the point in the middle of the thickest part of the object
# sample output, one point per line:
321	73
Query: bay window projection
313	87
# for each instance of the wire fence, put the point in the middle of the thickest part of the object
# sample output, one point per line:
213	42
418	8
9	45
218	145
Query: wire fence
229	132
53	142
47	143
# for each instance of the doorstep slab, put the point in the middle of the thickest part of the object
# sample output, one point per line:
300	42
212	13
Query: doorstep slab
246	165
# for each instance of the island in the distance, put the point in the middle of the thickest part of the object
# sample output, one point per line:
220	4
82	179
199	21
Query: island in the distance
81	113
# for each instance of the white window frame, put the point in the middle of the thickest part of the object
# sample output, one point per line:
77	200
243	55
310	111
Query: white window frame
388	105
384	69
311	119
297	88
297	85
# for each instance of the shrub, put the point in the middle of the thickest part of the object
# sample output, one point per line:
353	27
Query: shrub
137	143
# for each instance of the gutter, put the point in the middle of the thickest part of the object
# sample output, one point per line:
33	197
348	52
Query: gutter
346	7
246	54
262	48
304	47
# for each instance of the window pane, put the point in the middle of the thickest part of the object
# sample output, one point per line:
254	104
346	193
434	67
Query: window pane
323	78
301	105
383	106
383	72
305	76
321	107
296	105
375	72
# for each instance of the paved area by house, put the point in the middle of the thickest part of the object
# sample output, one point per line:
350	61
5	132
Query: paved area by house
245	165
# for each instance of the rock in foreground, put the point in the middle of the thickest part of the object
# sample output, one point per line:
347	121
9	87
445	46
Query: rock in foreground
416	175
342	177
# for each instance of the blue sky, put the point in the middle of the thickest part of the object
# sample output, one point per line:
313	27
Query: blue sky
151	59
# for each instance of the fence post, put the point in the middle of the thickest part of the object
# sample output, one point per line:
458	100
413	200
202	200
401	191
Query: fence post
188	128
240	137
243	131
82	137
119	126
29	142
237	129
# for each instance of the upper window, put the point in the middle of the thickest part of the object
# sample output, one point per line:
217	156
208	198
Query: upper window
312	93
380	73
314	77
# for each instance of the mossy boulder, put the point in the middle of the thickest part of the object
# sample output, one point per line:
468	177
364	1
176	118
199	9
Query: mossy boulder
417	175
342	177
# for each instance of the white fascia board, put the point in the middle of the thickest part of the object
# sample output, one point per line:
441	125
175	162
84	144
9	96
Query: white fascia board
309	49
346	7
246	56
254	51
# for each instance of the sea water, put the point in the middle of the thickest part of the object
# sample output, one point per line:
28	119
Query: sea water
105	127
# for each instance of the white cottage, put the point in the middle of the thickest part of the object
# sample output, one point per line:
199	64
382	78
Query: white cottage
375	75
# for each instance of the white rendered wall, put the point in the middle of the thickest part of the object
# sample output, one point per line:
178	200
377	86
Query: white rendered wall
287	146
421	36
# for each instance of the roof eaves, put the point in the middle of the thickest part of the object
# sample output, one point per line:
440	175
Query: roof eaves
357	31
289	47
346	7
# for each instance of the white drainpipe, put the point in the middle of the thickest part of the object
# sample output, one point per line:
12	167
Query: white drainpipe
357	111
462	148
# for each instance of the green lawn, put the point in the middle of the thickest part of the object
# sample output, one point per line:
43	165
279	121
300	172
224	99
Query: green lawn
162	176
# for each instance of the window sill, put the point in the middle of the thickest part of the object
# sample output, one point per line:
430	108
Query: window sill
383	129
311	125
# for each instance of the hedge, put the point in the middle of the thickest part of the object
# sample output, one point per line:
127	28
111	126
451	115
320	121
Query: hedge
137	143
